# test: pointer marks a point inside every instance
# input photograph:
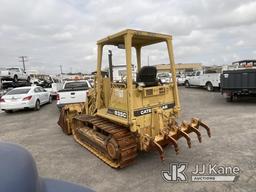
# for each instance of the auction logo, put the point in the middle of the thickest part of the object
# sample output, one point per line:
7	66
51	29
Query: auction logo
201	173
176	172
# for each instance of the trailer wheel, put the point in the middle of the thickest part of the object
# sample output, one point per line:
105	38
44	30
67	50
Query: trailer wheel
8	111
209	86
230	99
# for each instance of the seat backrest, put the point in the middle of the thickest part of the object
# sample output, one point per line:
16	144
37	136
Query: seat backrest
147	75
18	173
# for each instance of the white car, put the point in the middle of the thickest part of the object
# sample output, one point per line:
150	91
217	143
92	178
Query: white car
165	77
24	97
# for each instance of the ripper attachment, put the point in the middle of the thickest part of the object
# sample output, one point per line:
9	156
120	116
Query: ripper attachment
174	132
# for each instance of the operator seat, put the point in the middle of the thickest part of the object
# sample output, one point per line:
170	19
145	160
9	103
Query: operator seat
147	75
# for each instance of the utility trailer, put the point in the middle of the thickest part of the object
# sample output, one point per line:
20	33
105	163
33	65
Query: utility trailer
11	84
6	86
240	80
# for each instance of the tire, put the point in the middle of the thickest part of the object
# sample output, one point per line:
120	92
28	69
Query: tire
50	99
209	86
8	111
37	105
187	85
230	99
15	78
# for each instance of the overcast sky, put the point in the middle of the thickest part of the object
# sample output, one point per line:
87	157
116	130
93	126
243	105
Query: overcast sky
64	32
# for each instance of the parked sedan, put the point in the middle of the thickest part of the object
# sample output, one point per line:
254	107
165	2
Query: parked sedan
24	98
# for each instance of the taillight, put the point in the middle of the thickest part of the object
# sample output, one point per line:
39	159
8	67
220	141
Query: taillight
58	97
27	98
2	100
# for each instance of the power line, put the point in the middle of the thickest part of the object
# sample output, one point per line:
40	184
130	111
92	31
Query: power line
23	60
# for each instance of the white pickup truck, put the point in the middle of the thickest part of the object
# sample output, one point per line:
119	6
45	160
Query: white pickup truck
14	73
73	92
209	80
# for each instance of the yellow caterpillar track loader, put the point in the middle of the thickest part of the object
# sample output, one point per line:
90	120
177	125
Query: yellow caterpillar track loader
119	119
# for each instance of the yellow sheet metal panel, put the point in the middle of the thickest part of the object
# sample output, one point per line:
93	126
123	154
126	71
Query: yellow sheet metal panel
140	38
118	99
128	44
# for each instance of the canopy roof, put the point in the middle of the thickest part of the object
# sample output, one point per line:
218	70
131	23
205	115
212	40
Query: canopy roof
245	61
140	38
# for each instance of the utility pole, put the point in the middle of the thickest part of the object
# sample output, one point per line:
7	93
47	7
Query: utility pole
61	69
23	60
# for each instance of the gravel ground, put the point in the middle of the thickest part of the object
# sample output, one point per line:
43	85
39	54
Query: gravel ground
233	143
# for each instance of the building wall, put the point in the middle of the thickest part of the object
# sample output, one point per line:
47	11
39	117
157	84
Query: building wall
180	67
119	72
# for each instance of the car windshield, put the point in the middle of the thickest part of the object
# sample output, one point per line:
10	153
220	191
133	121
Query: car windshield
75	85
18	91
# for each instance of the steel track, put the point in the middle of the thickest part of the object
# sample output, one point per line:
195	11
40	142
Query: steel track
126	141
